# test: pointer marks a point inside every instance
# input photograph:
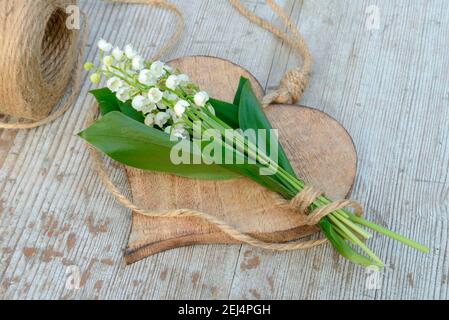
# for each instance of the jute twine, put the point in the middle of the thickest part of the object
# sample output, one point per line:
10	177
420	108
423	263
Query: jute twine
38	59
295	81
290	90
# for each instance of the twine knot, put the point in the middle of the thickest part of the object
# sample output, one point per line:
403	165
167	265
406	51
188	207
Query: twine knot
303	200
290	90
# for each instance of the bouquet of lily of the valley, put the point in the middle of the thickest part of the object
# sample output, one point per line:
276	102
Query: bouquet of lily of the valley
154	118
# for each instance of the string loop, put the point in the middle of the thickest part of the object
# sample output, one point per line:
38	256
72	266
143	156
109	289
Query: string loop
294	82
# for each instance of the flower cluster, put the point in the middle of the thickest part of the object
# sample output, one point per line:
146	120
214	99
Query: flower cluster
159	92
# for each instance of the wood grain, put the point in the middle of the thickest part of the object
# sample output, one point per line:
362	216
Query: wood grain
387	86
321	151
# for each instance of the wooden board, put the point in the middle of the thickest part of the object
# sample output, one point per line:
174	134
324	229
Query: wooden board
320	149
387	86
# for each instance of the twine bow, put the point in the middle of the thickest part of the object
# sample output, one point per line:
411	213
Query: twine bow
308	195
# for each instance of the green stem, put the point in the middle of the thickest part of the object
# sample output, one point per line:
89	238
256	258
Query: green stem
350	224
342	234
342	220
389	233
356	240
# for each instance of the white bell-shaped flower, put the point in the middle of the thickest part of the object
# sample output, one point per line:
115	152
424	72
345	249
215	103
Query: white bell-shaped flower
180	107
155	95
114	84
161	119
180	132
117	53
123	94
149	120
138	63
146	78
172	82
104	45
148	108
139	102
158	69
201	98
130	52
108	61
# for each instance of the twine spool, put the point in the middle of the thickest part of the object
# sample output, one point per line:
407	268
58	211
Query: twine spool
37	56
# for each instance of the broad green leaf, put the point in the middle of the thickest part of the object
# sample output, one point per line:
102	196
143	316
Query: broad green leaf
238	94
229	112
226	112
134	144
127	109
107	101
251	116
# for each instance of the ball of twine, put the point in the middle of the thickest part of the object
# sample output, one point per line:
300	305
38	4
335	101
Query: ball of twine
37	56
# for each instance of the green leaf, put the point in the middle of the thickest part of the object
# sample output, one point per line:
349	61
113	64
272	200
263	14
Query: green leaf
226	112
127	109
238	94
107	101
134	144
341	246
251	116
229	112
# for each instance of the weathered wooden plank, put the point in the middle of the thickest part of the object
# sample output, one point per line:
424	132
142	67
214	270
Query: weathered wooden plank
389	87
61	193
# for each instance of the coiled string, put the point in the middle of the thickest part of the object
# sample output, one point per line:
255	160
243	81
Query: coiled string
74	87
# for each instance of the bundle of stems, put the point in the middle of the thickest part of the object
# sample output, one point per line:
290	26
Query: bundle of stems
346	225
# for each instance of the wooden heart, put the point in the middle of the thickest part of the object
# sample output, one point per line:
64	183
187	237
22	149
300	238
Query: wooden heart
320	149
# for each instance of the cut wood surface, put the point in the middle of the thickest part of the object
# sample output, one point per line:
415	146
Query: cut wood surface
320	149
386	84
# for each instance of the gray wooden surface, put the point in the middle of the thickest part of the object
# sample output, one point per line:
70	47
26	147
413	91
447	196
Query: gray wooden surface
387	86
